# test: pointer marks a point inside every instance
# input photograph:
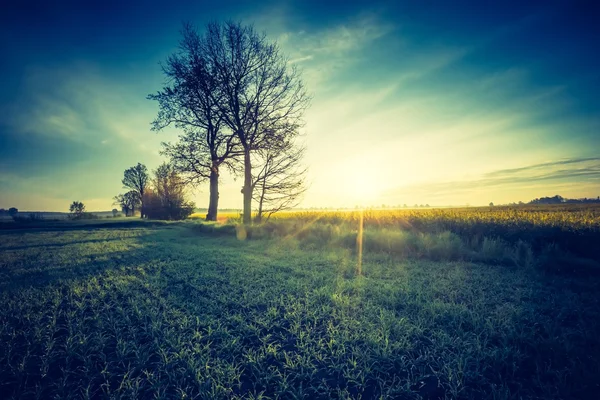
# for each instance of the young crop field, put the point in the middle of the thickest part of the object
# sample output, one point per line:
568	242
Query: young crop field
447	304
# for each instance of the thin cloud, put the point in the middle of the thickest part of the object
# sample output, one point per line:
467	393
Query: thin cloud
77	103
537	167
323	52
567	173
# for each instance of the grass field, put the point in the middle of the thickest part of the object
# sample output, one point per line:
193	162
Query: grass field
444	307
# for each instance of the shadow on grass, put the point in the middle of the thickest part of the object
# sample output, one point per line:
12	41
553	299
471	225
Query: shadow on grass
9	228
33	272
74	242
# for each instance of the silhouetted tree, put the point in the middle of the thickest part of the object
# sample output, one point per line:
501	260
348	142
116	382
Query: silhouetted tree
190	102
280	181
77	208
120	201
128	202
166	199
585	200
115	212
13	211
260	96
136	179
491	204
548	200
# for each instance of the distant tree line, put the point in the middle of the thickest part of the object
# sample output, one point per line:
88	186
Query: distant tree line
557	199
13	211
561	200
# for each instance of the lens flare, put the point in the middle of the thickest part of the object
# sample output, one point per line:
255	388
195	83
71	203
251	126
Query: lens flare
359	245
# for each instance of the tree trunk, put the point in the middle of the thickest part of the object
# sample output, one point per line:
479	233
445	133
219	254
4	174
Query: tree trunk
247	188
258	218
213	204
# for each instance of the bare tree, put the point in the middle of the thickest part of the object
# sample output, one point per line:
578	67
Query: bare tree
280	181
189	102
128	201
261	97
136	179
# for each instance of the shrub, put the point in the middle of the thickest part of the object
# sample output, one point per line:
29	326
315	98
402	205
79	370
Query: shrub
168	207
551	258
167	199
523	255
32	217
492	250
348	239
404	243
317	234
444	246
215	229
83	215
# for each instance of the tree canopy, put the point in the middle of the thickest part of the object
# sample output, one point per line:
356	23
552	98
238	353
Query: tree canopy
136	179
77	208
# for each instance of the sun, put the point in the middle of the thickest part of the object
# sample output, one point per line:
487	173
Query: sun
361	180
363	186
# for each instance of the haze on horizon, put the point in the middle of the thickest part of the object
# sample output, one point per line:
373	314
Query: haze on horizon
445	104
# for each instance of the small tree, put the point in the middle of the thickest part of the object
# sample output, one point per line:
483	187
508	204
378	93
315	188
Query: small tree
128	202
167	200
491	204
120	201
115	212
280	181
13	211
77	208
136	179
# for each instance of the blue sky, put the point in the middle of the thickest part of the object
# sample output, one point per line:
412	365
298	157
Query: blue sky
413	102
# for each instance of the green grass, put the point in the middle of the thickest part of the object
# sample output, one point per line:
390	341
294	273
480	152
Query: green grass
132	309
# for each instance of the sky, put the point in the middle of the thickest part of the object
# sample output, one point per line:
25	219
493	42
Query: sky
413	102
